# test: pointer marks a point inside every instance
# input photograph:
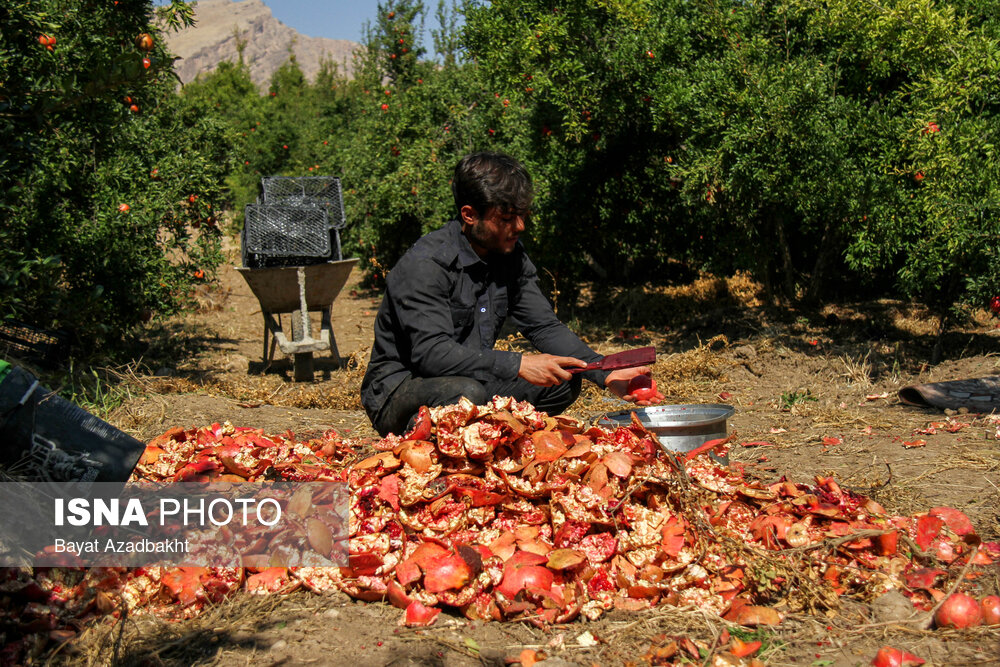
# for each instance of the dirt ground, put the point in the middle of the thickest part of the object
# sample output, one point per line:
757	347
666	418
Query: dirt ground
794	378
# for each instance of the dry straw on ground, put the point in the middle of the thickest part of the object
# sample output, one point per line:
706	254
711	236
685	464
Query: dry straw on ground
269	389
149	640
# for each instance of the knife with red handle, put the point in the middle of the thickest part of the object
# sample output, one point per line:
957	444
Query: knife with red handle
641	356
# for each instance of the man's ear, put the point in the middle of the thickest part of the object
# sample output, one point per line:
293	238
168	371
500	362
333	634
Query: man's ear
468	215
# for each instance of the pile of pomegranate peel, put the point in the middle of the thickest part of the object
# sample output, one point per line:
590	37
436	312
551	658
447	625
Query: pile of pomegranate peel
501	512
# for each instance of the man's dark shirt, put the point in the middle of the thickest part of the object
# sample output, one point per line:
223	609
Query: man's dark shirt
443	308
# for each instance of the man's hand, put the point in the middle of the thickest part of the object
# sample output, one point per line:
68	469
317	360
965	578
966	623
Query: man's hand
546	370
617	384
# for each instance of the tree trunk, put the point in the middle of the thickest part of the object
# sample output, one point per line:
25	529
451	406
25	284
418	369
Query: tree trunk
826	251
938	351
787	270
943	306
762	271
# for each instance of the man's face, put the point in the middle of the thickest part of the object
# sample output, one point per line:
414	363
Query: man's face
496	231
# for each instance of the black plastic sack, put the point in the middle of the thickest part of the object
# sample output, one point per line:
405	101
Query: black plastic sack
45	438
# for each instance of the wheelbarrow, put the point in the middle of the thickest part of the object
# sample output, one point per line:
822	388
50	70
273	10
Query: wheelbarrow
298	290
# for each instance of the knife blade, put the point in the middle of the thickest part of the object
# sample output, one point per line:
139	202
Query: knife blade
641	356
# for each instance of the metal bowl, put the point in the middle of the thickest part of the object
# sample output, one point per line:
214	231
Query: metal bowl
680	428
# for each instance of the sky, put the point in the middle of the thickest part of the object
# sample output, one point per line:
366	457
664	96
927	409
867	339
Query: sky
336	19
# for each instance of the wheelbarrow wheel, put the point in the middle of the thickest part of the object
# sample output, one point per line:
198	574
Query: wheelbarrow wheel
302	361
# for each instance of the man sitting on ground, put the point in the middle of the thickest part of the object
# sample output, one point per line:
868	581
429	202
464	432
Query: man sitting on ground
447	298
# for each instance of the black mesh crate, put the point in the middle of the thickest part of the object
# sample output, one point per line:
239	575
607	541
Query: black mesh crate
320	191
23	341
276	235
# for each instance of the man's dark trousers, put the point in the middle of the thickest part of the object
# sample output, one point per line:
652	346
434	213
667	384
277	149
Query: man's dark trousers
413	393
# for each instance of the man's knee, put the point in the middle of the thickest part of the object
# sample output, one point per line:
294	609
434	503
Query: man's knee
559	398
575	387
397	414
471	389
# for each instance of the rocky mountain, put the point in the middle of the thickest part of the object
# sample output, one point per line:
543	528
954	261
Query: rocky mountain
268	40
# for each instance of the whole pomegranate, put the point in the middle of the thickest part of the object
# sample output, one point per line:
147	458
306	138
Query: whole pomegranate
144	42
888	656
643	387
958	611
991	610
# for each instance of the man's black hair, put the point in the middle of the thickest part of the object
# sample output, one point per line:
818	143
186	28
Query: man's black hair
487	179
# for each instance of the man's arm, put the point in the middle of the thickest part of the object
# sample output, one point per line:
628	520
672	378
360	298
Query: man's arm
421	303
538	322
